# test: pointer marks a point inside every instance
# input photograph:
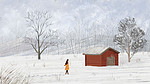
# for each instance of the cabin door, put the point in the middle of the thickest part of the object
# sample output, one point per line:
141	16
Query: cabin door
110	61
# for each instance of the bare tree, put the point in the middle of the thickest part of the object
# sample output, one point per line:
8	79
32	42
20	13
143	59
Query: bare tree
79	30
130	37
70	40
40	36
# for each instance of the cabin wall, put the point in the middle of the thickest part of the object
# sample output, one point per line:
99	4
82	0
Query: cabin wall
92	60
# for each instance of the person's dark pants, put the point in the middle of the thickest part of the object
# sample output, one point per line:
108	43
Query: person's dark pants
67	72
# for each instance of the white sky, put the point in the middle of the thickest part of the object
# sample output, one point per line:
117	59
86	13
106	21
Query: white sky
106	12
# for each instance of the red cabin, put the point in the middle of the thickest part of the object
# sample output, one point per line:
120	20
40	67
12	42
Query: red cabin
99	56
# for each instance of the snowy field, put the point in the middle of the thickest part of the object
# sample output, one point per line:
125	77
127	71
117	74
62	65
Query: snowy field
50	70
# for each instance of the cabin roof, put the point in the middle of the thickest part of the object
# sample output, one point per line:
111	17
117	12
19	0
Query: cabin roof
98	50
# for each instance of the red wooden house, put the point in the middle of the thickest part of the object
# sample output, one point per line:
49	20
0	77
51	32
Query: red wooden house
99	56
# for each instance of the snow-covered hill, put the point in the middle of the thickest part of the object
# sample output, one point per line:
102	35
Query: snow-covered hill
50	70
21	47
15	47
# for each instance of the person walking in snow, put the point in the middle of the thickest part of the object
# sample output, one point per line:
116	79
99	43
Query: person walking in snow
67	66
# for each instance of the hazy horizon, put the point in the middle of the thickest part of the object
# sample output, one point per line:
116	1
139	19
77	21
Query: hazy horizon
105	13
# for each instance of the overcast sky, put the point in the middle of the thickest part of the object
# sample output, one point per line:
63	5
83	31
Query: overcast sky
106	13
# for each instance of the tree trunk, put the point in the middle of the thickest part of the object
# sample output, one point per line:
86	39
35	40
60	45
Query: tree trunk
39	52
129	56
58	49
39	56
128	49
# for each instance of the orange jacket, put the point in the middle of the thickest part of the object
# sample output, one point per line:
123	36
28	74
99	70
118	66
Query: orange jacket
67	66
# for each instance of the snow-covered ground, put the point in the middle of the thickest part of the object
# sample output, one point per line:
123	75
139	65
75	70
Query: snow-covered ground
50	70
